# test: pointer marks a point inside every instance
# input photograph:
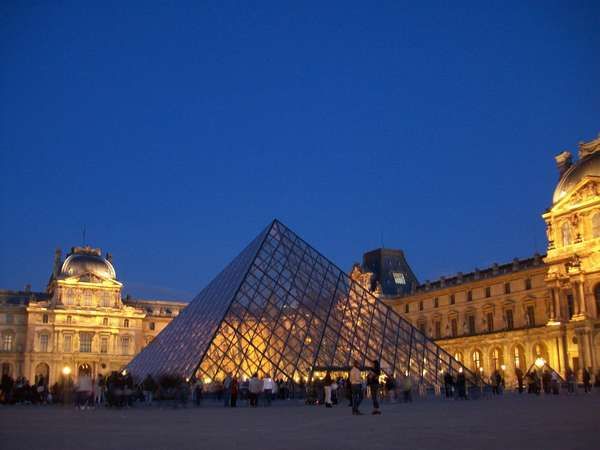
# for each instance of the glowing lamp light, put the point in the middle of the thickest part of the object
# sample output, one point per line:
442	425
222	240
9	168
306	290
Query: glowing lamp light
540	362
124	372
460	370
503	367
187	380
66	371
481	369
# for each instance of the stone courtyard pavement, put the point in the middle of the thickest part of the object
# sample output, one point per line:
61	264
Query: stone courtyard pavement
510	422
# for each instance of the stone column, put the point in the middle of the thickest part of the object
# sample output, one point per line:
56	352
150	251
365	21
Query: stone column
582	305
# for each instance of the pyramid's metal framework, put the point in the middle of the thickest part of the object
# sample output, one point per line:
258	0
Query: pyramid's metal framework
282	308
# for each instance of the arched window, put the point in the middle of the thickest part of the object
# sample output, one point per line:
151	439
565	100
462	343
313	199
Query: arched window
539	351
476	359
458	356
565	231
596	225
519	357
496	359
8	341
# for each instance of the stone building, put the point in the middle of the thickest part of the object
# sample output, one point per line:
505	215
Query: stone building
508	315
79	324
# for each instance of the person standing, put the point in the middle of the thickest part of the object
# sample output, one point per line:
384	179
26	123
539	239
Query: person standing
356	387
234	392
327	388
148	388
461	385
227	389
267	386
448	383
519	374
587	380
373	382
198	388
407	388
254	388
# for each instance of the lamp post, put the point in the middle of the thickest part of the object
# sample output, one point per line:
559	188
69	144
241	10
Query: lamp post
66	385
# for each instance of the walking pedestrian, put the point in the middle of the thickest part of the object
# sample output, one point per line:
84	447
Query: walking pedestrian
373	382
356	387
254	388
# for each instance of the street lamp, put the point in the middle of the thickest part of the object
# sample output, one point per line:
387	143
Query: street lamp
503	367
540	362
66	371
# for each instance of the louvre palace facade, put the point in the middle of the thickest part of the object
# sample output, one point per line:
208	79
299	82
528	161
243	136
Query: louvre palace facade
80	324
509	315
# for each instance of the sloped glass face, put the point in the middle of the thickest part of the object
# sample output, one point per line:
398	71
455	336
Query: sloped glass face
282	309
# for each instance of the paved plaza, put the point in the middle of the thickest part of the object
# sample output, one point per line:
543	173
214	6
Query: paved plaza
510	422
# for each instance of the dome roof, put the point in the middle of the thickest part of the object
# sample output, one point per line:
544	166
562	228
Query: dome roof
86	260
587	166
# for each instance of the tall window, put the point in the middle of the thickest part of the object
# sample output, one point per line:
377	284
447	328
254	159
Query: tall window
507	288
436	302
510	322
596	225
452	299
438	329
69	297
69	320
406	308
45	318
570	306
454	327
87	298
421	305
471	324
43	342
104	344
68	343
85	343
458	356
105	299
125	345
488	292
469	296
476	359
527	283
126	323
490	322
152	326
422	329
565	231
518	358
105	321
530	316
7	342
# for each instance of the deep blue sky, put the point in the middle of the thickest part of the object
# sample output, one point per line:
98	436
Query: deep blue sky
176	133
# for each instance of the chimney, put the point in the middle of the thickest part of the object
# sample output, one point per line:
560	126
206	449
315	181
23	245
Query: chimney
563	162
57	262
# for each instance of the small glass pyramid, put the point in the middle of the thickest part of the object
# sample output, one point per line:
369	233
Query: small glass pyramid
283	309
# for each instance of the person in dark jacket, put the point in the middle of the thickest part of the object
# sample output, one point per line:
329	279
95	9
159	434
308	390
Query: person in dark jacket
373	382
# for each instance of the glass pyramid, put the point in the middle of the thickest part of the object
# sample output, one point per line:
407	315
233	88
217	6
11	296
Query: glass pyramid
282	308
